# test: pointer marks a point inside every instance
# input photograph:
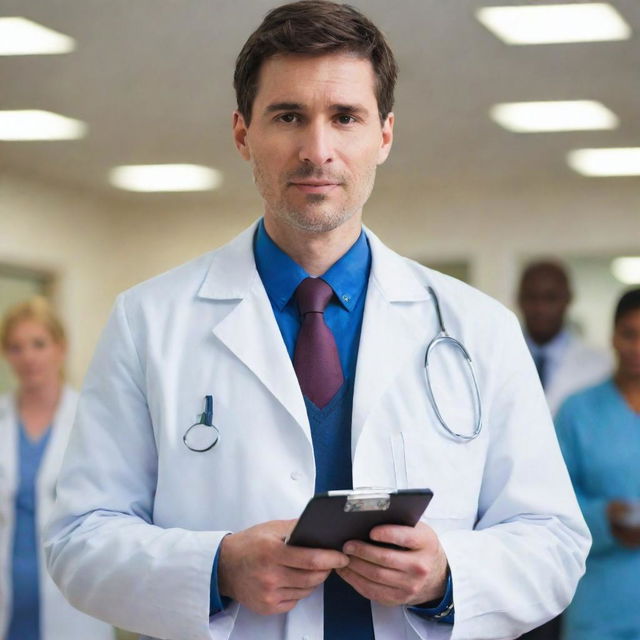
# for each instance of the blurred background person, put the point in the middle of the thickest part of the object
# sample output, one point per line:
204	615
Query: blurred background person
599	433
565	363
35	422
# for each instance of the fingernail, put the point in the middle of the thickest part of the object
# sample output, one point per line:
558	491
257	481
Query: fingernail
348	548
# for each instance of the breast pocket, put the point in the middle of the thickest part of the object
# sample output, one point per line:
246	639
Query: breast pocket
453	471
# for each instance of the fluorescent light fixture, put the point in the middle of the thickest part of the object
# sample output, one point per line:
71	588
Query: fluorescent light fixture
622	161
546	24
19	37
34	124
626	269
165	177
560	115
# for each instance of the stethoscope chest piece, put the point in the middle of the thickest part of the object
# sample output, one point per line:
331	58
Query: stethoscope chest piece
202	435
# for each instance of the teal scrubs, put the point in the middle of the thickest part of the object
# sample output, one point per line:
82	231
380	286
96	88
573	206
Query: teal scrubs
600	439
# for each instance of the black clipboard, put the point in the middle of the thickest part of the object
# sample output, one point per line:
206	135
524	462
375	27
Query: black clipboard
332	518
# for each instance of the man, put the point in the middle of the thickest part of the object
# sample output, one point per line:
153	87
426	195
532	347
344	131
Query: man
564	362
304	341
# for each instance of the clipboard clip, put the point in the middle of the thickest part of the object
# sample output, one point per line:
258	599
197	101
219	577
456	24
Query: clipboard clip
368	502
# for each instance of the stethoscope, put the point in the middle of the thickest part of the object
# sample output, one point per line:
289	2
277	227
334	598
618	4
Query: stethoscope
443	338
204	435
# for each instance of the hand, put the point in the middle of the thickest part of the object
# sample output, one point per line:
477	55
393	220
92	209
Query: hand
627	536
257	569
391	576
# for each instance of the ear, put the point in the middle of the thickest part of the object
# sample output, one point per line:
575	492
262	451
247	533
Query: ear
387	138
240	130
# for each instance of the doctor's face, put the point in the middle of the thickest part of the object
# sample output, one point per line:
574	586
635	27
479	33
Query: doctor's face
34	356
315	139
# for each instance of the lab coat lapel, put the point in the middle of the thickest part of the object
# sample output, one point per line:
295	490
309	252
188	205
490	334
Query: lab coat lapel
398	318
250	330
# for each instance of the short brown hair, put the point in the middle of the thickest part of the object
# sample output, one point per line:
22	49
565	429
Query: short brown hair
314	27
37	309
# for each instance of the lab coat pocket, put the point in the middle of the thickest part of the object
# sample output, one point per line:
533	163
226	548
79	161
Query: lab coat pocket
447	468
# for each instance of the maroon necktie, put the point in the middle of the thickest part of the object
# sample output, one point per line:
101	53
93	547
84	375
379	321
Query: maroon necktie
316	359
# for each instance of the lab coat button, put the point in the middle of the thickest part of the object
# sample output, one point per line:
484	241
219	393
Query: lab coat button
296	475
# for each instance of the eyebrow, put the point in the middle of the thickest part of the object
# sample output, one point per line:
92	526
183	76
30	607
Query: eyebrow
297	106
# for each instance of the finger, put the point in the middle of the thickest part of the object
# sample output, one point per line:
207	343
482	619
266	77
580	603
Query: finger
311	559
289	594
413	538
302	579
371	590
392	558
379	574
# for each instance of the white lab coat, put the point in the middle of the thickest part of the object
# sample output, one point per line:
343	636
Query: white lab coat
58	619
139	517
581	366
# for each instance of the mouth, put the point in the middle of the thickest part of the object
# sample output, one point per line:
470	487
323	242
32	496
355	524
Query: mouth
313	186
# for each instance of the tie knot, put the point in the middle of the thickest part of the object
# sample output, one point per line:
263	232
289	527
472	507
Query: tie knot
313	295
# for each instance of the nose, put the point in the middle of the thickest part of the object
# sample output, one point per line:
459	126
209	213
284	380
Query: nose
316	146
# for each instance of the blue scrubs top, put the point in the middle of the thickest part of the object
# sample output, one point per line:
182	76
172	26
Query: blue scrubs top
600	439
25	610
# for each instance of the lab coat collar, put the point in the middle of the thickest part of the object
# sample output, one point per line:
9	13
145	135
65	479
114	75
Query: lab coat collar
393	274
232	272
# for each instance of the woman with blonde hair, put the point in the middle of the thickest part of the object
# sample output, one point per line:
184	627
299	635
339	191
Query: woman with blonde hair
35	422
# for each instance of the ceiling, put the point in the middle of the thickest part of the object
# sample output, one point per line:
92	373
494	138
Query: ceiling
152	78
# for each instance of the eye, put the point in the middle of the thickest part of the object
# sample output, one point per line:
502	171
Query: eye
345	118
288	118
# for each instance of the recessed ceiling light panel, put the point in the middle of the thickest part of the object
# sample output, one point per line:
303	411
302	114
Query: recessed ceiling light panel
34	124
19	37
623	161
560	115
555	23
165	177
626	269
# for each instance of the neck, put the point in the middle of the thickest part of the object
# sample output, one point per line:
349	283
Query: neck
43	397
628	384
315	252
541	341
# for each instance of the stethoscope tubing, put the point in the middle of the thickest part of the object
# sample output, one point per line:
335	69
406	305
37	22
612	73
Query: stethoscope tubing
441	337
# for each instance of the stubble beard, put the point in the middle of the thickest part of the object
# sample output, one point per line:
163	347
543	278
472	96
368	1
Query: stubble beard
318	215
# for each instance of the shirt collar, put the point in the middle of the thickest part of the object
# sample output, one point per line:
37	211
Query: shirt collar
553	349
281	275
